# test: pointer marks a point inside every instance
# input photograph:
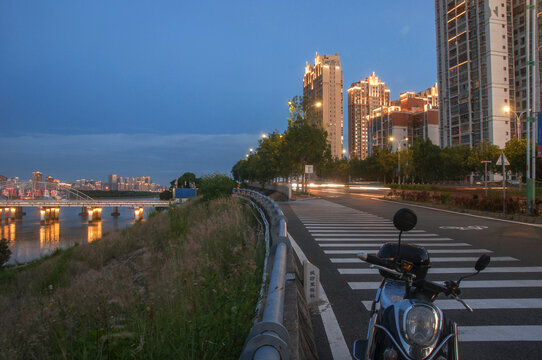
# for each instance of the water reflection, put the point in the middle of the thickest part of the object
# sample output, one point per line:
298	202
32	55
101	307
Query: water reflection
8	231
95	230
29	239
50	235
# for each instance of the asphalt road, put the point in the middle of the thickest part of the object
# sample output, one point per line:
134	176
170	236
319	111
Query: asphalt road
507	297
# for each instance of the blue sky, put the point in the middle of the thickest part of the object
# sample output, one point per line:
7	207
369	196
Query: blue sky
157	88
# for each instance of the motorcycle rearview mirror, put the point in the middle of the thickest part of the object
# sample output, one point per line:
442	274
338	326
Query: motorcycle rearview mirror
482	262
405	219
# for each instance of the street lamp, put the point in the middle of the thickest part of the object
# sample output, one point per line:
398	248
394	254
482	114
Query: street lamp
398	142
518	120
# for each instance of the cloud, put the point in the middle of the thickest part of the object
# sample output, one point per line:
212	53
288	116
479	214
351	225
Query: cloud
94	156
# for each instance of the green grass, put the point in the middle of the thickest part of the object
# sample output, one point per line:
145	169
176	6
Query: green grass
184	284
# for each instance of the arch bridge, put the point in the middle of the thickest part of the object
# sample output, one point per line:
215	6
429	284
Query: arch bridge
50	197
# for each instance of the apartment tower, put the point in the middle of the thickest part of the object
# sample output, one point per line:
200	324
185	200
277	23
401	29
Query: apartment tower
323	89
363	97
482	70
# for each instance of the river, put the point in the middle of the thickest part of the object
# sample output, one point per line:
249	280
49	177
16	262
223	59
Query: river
29	240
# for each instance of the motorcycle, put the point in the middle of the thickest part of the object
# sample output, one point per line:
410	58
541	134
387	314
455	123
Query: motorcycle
404	322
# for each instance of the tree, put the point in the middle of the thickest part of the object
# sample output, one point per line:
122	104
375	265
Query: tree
186	180
515	151
484	151
455	162
426	158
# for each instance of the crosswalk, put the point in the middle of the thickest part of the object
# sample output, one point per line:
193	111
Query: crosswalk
342	232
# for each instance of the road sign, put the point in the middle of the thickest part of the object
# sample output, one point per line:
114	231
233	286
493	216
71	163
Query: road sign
502	159
309	169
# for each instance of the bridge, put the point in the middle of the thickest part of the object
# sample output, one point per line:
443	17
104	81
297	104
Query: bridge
49	197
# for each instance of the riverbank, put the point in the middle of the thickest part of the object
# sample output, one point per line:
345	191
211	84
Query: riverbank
183	284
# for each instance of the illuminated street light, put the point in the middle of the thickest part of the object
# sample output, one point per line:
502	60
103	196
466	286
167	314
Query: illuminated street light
507	110
318	104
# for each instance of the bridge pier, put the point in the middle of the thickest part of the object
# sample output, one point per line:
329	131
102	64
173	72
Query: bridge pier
115	211
48	214
84	211
138	214
94	214
12	213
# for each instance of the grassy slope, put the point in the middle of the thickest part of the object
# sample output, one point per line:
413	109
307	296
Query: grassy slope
183	285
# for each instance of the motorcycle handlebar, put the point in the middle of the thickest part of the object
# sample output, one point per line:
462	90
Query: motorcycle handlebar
375	260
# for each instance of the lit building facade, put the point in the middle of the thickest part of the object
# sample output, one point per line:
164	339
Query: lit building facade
412	116
482	70
323	82
363	97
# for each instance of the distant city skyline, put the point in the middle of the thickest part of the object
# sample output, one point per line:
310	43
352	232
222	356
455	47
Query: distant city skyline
124	182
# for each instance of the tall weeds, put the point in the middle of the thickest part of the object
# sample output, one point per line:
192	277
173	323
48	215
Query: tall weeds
182	285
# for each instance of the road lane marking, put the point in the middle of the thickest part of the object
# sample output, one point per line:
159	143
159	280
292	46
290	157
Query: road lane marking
475	284
465	214
380	239
367	231
438	251
500	333
347	227
434	259
404	237
470	227
426	245
464	270
482	304
334	335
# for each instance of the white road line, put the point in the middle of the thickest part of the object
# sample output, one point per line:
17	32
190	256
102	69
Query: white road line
354	227
337	344
464	270
380	239
435	259
465	214
483	304
500	333
404	237
439	251
365	231
476	284
426	245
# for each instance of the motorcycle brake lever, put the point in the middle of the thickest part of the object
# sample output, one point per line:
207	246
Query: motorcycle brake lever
462	302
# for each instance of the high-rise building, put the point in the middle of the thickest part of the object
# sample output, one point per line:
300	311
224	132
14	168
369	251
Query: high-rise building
482	69
323	84
413	116
113	182
37	179
363	97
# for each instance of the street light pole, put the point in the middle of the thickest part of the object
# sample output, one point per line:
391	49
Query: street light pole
398	142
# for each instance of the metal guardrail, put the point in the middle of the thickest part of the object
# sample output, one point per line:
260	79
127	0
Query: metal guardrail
268	338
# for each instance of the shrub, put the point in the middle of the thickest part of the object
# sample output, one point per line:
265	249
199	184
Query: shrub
5	252
215	186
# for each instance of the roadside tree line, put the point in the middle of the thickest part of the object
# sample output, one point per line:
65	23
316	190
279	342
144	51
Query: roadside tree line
425	162
282	156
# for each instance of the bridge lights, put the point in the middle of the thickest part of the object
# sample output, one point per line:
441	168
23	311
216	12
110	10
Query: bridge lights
138	214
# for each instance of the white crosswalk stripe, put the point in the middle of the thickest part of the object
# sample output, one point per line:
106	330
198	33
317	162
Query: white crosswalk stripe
342	232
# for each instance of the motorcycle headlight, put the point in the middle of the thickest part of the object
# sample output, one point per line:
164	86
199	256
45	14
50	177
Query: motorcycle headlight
421	325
